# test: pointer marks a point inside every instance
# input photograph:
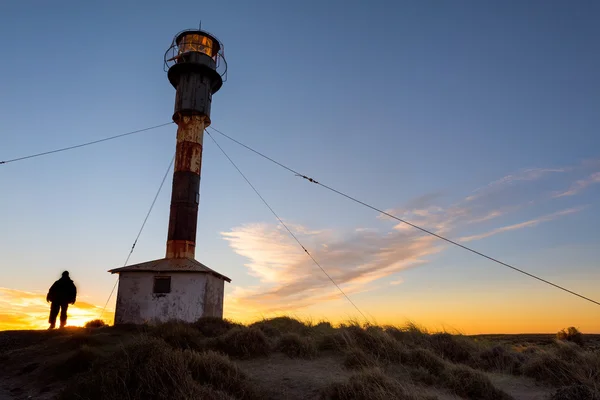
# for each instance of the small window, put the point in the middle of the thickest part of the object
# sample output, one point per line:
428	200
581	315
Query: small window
162	284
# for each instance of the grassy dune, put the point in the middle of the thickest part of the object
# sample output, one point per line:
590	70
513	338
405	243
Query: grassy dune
283	358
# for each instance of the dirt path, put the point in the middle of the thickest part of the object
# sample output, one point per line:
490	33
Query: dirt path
520	388
5	394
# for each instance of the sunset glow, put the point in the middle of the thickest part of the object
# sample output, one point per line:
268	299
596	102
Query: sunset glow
26	310
475	126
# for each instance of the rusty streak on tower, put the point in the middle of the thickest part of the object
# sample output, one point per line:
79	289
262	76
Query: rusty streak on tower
196	55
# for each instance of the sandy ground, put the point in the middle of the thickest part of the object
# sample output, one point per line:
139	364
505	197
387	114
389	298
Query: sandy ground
296	379
5	394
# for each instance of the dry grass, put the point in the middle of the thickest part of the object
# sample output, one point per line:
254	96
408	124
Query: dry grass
358	359
575	392
471	384
202	360
243	342
150	369
213	326
371	384
275	327
564	364
179	335
211	368
296	346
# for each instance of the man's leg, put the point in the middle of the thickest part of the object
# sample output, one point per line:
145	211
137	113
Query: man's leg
63	314
54	308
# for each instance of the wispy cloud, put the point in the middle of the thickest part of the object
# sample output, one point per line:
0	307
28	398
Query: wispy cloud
289	279
530	174
580	185
525	224
29	310
361	258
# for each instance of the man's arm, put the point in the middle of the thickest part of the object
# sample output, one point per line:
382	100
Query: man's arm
74	298
50	294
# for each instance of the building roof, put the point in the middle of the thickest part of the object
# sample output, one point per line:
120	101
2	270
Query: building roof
170	265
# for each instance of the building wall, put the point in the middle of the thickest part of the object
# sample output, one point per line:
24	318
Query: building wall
191	294
213	298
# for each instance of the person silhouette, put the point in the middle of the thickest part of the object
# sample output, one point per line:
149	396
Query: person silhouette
62	293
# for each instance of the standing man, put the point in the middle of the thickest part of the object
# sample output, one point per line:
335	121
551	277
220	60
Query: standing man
62	293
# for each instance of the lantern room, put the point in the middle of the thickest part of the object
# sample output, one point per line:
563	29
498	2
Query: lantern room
200	50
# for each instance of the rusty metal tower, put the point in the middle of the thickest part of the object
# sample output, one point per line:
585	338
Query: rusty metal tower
177	286
193	63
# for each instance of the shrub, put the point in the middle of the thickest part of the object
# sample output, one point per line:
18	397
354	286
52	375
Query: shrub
179	335
375	342
145	369
322	328
457	349
74	362
243	342
568	351
296	346
471	384
571	334
95	323
368	385
547	367
424	358
214	326
410	334
575	392
280	325
358	359
338	341
218	371
500	358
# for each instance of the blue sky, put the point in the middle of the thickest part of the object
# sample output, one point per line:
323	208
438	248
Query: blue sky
466	117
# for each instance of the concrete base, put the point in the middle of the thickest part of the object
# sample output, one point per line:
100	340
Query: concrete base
168	289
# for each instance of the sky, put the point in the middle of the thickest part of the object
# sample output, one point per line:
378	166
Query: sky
477	120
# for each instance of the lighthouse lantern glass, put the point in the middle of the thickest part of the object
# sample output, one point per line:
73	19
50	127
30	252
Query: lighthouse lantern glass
197	43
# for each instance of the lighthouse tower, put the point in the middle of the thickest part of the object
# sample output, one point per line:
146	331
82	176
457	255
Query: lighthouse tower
178	287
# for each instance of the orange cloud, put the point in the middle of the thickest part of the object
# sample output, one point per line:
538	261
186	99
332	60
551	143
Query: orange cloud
358	259
29	310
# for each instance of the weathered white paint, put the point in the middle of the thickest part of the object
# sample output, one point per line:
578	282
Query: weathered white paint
193	295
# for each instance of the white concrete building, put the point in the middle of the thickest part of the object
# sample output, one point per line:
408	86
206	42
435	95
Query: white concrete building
168	289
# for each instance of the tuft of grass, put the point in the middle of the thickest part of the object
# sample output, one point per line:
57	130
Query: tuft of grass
179	335
457	349
571	334
278	326
95	323
214	326
425	359
149	368
74	362
471	384
564	365
357	359
338	341
575	392
411	334
500	358
376	342
145	369
369	385
217	370
243	342
296	346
